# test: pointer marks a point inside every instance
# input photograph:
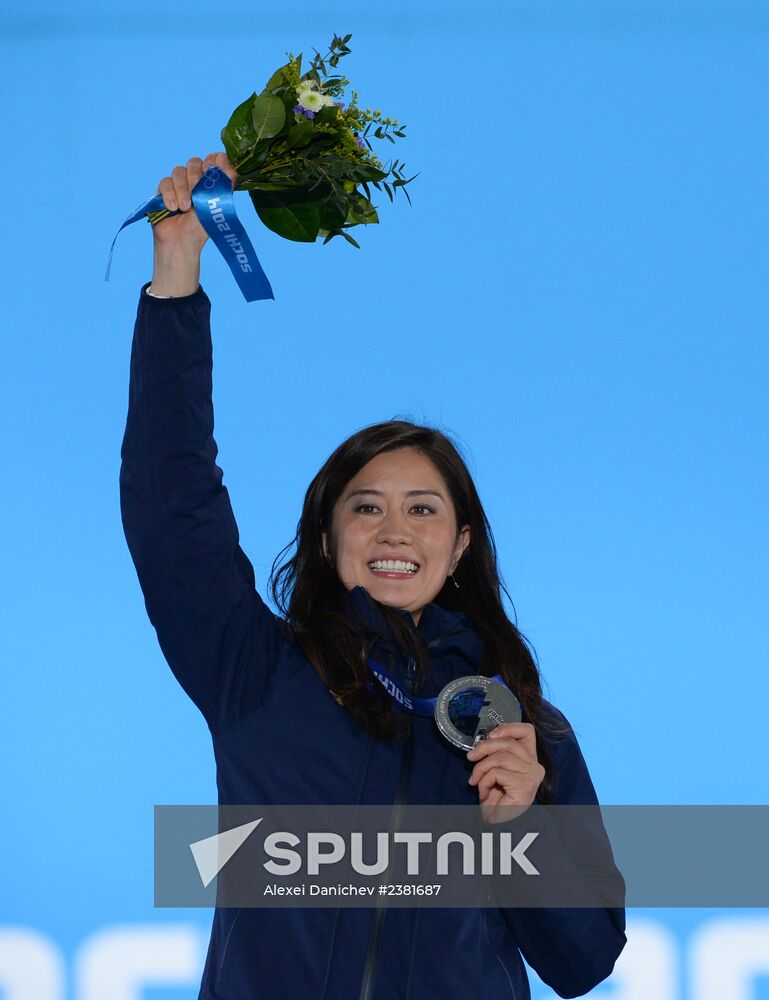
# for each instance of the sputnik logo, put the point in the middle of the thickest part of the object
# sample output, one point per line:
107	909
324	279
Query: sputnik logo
213	853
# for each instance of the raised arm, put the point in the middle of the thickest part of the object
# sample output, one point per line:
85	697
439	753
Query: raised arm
216	633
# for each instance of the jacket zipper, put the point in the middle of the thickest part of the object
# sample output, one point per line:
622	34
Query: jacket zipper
513	994
372	955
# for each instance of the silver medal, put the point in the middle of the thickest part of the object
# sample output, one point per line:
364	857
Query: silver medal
468	709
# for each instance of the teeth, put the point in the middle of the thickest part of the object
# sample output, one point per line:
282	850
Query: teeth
394	566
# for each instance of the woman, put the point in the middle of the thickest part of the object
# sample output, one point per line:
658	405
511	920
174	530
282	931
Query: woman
394	560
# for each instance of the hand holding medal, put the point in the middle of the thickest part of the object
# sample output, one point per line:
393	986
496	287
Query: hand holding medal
507	772
482	715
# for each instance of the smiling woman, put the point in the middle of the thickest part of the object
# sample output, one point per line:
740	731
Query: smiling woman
393	566
393	518
398	540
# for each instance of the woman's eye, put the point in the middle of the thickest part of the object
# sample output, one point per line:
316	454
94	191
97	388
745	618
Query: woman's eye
420	509
365	508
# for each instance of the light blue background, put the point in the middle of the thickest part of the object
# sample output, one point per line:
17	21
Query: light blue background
579	293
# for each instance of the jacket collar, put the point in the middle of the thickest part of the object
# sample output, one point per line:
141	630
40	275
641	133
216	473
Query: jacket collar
444	631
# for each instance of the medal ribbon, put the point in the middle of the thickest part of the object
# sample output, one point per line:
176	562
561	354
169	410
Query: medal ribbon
417	706
214	206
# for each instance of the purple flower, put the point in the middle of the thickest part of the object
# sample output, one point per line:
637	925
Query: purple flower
340	105
299	110
360	140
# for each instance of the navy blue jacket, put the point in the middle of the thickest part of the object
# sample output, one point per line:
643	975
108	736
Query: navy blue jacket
234	659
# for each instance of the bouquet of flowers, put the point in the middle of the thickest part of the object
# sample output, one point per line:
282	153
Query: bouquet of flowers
305	157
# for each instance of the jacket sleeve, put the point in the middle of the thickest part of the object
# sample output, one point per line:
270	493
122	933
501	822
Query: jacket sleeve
573	949
216	633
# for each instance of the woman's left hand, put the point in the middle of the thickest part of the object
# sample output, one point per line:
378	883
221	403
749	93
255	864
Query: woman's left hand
506	771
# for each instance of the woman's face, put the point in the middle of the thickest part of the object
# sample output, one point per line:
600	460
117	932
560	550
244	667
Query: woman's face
394	531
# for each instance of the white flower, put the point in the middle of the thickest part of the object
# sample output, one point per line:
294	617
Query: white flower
310	98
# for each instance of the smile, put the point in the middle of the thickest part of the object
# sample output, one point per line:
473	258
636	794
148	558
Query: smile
394	567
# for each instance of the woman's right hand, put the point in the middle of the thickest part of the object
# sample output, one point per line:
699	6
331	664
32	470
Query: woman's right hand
179	239
185	229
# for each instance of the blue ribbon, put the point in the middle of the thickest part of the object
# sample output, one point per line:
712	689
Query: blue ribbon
214	206
417	706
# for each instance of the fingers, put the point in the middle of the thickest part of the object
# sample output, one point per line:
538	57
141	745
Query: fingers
194	172
493	796
181	188
509	762
496	810
519	730
177	189
220	160
166	188
507	774
489	746
503	776
224	165
496	779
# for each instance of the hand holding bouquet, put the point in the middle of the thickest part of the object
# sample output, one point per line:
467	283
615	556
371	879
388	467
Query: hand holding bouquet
305	158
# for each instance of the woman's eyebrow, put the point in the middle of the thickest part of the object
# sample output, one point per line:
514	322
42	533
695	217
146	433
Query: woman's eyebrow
410	493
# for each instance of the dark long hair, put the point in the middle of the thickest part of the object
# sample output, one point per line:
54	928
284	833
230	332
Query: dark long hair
309	593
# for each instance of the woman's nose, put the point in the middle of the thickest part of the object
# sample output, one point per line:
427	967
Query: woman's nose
394	528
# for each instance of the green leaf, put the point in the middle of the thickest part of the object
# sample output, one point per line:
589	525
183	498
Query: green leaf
238	134
300	134
350	239
293	218
278	79
331	213
268	116
328	115
298	215
251	184
254	160
361	212
367	172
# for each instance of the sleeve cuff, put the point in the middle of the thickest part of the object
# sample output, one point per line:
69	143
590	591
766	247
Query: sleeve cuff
148	296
